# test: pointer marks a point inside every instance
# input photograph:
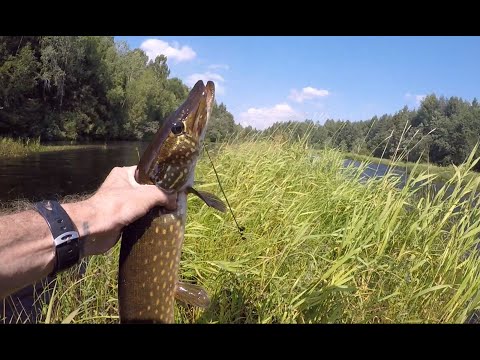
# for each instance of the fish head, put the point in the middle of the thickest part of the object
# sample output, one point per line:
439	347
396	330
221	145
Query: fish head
169	160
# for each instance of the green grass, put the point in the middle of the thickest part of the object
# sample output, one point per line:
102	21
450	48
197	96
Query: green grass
321	247
16	147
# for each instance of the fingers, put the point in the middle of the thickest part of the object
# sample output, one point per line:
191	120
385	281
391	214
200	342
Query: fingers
172	202
147	194
157	197
131	170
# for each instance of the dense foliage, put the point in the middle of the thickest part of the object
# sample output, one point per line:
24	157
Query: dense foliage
92	88
85	87
441	131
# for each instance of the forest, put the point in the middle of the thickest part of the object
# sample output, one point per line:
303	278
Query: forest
441	131
83	88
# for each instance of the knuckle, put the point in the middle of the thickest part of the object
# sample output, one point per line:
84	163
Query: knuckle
116	171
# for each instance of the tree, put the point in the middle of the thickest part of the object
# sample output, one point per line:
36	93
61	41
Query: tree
221	124
82	87
18	100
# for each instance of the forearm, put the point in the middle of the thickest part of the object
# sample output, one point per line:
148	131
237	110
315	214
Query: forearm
27	251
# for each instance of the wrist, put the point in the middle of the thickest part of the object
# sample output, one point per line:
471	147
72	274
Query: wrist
84	216
66	238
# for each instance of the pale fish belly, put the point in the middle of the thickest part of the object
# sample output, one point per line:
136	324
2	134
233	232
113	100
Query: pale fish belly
149	274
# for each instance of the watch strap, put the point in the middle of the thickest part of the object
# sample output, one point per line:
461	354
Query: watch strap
65	235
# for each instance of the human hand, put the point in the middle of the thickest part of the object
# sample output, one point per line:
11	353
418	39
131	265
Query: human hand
119	201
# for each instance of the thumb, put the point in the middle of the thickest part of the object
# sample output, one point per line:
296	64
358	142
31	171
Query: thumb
156	197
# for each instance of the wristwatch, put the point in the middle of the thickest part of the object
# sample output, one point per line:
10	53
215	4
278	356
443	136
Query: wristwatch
65	235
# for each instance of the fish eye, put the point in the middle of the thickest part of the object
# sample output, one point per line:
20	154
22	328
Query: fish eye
177	128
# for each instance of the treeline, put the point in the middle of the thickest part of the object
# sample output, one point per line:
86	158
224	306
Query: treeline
85	88
442	131
92	88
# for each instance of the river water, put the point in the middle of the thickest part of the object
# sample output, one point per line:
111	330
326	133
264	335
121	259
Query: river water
56	174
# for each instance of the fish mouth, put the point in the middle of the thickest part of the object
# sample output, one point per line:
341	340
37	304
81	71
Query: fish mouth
197	108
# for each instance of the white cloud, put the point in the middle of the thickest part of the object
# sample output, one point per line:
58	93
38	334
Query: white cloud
418	98
216	78
219	67
307	93
155	47
262	118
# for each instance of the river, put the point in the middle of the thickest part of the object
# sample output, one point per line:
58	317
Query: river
56	174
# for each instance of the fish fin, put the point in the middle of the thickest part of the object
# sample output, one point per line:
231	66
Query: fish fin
209	198
192	294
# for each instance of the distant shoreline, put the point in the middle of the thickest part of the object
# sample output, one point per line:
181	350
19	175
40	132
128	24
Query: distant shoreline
12	148
443	173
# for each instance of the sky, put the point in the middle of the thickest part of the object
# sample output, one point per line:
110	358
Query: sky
262	80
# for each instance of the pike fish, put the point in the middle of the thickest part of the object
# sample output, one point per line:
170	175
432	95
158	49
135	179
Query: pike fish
148	281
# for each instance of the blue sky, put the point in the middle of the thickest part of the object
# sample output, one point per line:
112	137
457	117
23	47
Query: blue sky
266	79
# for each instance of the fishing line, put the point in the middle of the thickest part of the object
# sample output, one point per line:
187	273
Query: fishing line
241	229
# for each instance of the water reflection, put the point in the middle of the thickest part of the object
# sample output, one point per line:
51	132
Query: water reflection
56	174
375	170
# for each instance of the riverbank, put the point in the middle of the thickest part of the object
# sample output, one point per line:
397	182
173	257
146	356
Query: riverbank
14	148
442	172
320	247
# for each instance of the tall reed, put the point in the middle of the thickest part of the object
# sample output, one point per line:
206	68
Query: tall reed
321	247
